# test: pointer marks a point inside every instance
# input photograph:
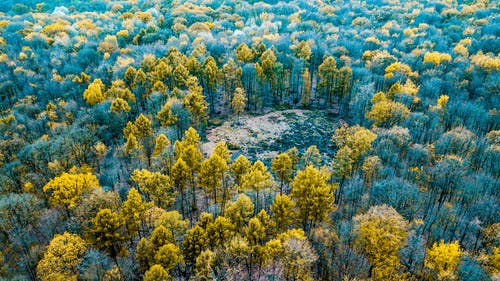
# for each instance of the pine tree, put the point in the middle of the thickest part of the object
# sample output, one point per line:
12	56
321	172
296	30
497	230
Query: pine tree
108	231
283	212
239	101
155	185
195	103
119	105
157	273
327	73
239	168
180	175
282	166
240	211
313	196
231	74
196	241
257	179
305	99
244	53
204	263
143	125
132	212
212	175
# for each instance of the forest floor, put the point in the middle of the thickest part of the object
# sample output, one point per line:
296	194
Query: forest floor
264	136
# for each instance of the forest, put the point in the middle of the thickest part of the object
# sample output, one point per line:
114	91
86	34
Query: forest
249	140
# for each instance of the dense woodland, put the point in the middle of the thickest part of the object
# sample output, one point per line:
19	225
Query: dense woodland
105	106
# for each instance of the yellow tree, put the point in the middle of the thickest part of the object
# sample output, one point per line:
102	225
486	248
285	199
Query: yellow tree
220	231
143	125
306	95
313	196
443	259
244	53
195	242
327	72
94	93
157	273
283	212
180	76
386	112
119	105
239	168
342	164
231	74
222	150
203	267
282	167
108	232
211	177
381	234
61	260
210	74
132	212
239	101
240	211
257	179
357	138
180	175
155	185
66	189
195	102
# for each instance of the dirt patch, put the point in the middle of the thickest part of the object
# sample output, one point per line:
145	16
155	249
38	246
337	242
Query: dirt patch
263	137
